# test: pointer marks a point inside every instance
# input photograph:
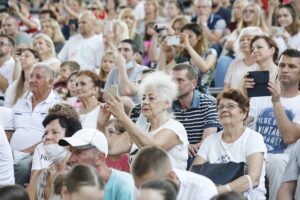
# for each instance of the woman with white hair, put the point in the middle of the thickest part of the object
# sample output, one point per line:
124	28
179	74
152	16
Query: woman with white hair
157	91
244	61
44	45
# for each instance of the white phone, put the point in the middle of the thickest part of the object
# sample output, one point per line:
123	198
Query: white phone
173	40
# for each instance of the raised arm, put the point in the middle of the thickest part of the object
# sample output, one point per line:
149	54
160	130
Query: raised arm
290	131
165	139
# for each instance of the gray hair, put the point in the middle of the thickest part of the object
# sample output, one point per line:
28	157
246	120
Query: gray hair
162	83
49	72
250	31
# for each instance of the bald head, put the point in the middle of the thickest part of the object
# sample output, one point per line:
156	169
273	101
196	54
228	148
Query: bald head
10	26
87	24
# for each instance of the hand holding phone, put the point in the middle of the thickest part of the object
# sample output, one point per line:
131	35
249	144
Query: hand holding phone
261	79
173	40
113	90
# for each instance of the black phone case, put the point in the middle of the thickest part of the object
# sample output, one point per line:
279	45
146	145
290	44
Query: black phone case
261	79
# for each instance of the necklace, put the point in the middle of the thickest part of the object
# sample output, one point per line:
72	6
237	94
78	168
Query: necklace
222	144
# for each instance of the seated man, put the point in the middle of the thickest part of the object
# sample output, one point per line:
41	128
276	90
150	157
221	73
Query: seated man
25	129
277	117
89	146
152	163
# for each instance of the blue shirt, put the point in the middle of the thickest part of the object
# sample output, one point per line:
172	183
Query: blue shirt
120	186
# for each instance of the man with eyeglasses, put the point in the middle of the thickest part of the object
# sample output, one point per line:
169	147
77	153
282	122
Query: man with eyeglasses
213	24
90	146
277	118
7	64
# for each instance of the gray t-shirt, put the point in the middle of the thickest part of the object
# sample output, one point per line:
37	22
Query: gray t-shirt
292	170
134	76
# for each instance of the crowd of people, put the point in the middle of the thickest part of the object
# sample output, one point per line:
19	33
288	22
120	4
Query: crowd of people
122	99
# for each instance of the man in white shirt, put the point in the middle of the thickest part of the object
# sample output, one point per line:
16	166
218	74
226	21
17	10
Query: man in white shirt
152	163
277	117
86	48
7	64
6	161
25	130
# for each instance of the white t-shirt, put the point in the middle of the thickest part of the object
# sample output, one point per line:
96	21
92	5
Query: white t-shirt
261	109
6	114
214	150
293	42
89	120
194	186
40	159
236	72
27	123
87	52
179	153
10	95
7	70
139	11
7	176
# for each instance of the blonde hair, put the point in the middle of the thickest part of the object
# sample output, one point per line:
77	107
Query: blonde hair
259	18
51	52
106	53
243	3
129	12
57	34
122	25
250	31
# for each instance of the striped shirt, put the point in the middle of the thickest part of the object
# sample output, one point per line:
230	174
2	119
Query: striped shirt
201	115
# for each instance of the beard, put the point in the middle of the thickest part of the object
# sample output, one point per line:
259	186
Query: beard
183	95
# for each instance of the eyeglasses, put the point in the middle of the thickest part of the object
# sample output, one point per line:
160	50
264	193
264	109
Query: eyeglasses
249	11
228	106
4	44
92	9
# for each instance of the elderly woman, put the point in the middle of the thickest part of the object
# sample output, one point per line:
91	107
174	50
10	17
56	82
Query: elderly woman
157	91
236	143
57	126
244	61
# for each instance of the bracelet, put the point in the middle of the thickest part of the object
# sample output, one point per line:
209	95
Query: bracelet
228	187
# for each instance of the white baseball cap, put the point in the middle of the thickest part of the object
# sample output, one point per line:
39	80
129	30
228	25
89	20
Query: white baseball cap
85	138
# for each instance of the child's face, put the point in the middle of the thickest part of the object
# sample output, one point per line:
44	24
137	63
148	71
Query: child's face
65	72
107	63
72	85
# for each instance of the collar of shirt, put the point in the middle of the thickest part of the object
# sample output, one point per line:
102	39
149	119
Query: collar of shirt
50	98
195	102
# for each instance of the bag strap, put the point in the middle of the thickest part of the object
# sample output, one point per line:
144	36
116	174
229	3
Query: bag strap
250	194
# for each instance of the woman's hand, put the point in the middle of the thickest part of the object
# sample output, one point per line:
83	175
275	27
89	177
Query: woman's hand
248	83
184	40
115	107
104	117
